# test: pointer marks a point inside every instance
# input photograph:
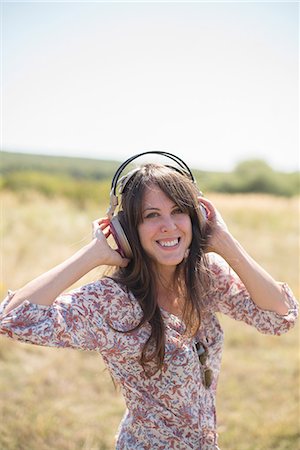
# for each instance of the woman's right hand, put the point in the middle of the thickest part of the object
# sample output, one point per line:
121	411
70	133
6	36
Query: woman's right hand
107	255
44	289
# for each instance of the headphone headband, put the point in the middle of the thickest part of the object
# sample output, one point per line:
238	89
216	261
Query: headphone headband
175	158
115	179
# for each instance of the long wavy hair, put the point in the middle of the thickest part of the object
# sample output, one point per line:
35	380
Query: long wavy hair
191	275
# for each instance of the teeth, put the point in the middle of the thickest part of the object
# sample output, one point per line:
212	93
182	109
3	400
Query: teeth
169	243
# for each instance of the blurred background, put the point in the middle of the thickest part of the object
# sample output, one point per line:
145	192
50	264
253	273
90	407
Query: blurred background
215	82
84	86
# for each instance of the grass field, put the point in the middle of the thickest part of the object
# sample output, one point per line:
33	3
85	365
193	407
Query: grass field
65	400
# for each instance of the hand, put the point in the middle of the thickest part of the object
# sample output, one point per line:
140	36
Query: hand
217	228
109	256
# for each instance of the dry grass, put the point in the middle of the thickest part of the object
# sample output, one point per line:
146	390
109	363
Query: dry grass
65	400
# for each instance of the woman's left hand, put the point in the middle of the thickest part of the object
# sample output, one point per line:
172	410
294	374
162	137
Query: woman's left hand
217	228
261	286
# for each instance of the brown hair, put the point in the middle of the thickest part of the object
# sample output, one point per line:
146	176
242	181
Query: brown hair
191	276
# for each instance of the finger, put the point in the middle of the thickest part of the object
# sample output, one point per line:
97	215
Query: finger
103	221
107	233
100	224
124	262
98	234
103	226
98	228
208	206
205	202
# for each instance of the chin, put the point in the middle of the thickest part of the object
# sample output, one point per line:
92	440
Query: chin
171	262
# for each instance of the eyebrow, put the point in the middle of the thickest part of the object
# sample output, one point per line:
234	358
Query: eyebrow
153	208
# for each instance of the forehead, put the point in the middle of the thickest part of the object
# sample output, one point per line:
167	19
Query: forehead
155	197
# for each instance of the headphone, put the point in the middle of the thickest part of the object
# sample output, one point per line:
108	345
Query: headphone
116	229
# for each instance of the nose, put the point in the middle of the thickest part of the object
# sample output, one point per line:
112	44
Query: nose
168	224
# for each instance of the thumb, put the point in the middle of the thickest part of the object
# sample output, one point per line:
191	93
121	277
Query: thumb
125	262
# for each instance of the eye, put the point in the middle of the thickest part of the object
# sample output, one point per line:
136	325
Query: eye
151	215
178	210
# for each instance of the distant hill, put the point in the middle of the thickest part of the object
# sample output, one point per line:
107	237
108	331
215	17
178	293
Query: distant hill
83	168
76	167
79	177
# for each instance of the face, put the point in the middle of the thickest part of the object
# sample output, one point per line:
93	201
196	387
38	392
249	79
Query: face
165	232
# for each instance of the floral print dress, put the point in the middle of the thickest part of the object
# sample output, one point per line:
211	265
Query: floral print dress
171	409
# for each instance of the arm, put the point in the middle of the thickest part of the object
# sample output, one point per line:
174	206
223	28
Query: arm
44	289
266	293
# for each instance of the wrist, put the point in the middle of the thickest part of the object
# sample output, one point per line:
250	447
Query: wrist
228	248
93	254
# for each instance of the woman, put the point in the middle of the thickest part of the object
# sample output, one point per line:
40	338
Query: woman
154	319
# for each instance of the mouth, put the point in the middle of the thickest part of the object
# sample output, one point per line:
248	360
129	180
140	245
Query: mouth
168	243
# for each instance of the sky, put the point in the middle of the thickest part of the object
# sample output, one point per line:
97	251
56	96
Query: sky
216	83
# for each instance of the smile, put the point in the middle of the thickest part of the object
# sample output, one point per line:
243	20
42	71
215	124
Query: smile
169	243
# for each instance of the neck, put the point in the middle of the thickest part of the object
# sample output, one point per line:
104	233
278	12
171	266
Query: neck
165	275
169	295
165	282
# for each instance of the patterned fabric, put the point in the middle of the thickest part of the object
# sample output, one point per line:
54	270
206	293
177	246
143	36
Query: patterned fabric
171	409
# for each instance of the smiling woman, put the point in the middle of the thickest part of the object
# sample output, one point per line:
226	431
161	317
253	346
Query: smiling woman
154	319
165	232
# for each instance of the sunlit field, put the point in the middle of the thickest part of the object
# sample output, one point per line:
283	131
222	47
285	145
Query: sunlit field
60	399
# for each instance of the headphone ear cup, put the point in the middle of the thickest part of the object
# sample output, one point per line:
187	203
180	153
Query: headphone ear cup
120	237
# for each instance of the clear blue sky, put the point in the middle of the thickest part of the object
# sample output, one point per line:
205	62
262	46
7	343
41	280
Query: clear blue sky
213	82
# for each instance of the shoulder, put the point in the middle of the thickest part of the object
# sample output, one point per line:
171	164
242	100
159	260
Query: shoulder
216	264
221	274
223	281
118	305
104	290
